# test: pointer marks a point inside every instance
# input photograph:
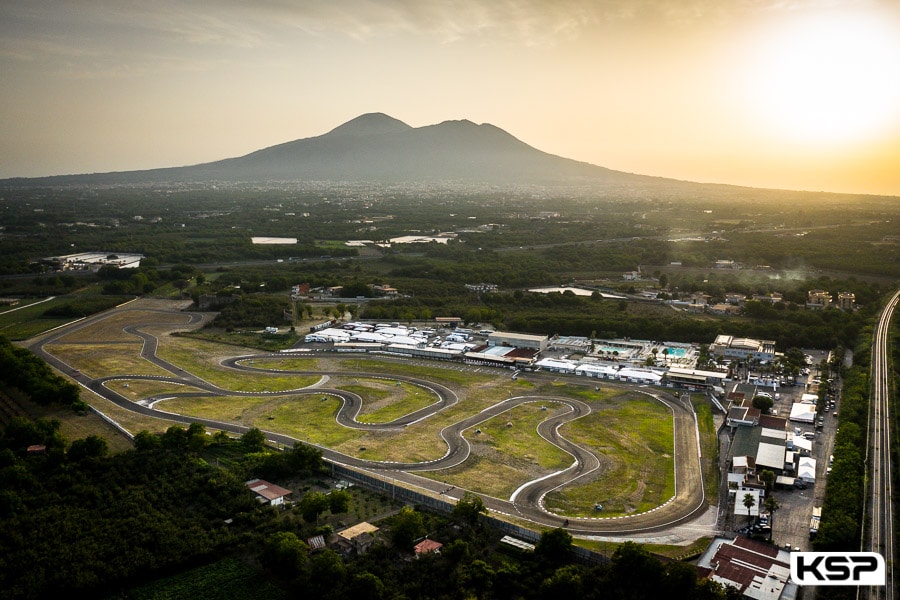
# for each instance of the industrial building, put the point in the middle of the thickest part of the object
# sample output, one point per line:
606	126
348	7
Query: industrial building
518	340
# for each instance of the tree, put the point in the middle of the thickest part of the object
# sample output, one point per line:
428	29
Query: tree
749	503
339	501
771	505
286	555
312	505
468	508
554	546
477	576
406	528
763	403
196	437
767	477
92	446
144	440
328	568
636	570
254	440
181	284
366	586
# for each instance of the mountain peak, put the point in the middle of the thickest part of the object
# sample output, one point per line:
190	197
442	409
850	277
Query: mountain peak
369	124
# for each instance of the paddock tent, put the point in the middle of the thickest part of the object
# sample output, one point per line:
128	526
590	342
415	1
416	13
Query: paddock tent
806	469
557	366
597	370
803	413
640	376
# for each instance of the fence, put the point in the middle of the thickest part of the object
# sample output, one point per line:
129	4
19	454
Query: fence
390	488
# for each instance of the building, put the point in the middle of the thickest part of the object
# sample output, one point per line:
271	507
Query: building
481	288
427	546
518	340
93	261
448	321
268	493
725	309
802	412
735	298
846	300
356	540
699	298
695	379
742	348
771	298
818	298
760	571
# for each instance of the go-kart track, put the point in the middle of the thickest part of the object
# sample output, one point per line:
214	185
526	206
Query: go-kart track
525	503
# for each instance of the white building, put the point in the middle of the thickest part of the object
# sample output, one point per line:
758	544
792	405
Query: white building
740	348
268	493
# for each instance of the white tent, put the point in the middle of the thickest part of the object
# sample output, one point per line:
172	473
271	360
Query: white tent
806	469
803	413
559	366
595	370
639	376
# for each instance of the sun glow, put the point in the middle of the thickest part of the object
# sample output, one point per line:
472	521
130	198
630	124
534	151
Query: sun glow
829	79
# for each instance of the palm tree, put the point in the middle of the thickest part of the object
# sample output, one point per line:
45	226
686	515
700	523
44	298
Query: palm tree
771	505
768	478
749	502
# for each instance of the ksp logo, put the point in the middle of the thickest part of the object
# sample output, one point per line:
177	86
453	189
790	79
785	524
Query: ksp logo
837	568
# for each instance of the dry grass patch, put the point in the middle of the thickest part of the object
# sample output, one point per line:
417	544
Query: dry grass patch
103	360
447	375
385	401
112	328
202	358
138	389
283	364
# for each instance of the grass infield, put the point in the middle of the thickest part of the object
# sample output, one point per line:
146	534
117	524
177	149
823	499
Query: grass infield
631	434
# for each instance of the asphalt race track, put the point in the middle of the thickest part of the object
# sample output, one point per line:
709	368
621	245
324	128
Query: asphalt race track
688	502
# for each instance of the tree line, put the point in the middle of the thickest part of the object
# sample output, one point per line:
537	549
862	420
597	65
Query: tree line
21	369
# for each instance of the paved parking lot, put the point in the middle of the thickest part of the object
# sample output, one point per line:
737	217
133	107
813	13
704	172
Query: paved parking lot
791	522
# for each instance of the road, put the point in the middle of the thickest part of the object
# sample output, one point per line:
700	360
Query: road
688	502
879	517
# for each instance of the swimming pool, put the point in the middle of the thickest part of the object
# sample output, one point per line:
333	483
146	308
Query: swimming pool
675	352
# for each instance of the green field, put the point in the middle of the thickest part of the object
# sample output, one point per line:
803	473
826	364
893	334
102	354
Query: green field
634	440
507	453
385	401
22	323
709	447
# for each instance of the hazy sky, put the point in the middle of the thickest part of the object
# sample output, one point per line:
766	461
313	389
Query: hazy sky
797	94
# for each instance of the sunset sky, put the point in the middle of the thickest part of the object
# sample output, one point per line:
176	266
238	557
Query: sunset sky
795	94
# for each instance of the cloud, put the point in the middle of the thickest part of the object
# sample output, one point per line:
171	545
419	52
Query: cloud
118	38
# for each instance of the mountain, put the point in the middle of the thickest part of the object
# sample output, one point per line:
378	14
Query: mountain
379	148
